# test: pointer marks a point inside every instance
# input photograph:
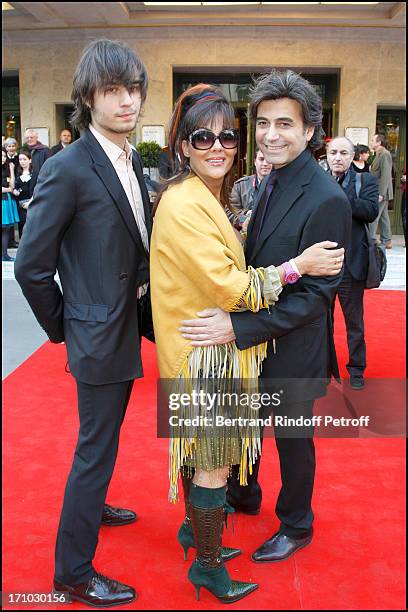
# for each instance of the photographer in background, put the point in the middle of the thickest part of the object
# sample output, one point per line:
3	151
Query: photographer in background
244	190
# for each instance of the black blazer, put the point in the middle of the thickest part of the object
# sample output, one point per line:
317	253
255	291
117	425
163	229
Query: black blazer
57	148
365	209
38	158
311	208
80	222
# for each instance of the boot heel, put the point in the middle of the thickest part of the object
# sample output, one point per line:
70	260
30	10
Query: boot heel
197	588
185	537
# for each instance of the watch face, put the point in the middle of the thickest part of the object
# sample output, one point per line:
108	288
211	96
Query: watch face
291	278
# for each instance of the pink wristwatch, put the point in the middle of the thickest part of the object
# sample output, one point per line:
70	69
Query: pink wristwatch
292	273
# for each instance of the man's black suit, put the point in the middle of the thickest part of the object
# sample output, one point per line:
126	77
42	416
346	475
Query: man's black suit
351	289
81	223
305	207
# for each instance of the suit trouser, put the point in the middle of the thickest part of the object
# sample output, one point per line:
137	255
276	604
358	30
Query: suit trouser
23	218
297	468
102	409
383	220
351	298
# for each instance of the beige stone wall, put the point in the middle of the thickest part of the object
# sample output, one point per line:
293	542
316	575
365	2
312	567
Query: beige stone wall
372	73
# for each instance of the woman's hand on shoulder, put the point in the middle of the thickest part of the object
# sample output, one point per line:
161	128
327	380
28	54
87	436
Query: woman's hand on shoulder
321	259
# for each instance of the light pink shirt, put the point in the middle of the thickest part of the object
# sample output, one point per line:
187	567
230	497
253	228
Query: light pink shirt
121	160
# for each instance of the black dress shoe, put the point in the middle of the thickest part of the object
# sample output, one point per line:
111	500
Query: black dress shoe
98	591
357	382
115	517
280	547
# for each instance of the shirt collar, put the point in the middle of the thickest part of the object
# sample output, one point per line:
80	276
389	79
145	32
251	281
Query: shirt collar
285	175
112	151
341	178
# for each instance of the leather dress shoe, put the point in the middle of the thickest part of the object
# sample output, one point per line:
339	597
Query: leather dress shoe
115	517
280	547
357	382
98	591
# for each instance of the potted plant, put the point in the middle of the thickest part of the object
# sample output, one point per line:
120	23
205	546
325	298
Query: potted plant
150	153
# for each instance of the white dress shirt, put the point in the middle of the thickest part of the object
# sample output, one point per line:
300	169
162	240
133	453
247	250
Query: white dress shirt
121	160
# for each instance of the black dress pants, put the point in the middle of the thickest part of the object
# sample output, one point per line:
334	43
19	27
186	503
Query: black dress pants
101	412
23	218
297	468
351	298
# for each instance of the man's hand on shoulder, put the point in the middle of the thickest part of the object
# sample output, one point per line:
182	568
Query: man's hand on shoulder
213	327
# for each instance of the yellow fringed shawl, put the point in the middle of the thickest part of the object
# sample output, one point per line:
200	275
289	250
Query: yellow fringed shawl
197	262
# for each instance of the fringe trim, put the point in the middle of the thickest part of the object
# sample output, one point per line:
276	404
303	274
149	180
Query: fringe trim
222	361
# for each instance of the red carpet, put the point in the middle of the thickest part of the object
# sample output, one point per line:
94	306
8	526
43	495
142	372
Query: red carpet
356	561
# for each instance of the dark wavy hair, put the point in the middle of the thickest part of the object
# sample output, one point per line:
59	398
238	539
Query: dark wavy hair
103	63
360	148
197	107
288	84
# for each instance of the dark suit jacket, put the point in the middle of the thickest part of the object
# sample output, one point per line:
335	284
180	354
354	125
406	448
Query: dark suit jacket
38	157
365	210
307	207
81	223
57	148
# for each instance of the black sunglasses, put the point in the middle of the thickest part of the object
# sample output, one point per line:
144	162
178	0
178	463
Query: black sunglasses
204	139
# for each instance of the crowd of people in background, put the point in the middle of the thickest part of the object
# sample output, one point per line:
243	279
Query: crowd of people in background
20	170
21	167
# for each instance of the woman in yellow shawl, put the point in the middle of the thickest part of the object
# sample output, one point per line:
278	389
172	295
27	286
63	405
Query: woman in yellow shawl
197	262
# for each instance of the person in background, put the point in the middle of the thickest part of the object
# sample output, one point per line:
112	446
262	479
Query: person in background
39	153
245	189
165	164
65	141
9	212
364	207
360	161
10	145
382	169
23	190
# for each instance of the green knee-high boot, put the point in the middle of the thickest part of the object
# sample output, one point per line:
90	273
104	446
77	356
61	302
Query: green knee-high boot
208	569
185	534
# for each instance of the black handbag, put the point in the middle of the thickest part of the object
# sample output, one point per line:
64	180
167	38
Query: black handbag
377	263
377	258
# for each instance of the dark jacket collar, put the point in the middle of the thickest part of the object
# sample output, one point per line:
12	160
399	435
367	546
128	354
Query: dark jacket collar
285	175
291	179
107	174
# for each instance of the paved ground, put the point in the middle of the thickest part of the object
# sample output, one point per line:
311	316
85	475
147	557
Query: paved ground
22	335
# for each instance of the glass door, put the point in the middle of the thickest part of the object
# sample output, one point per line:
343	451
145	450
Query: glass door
392	123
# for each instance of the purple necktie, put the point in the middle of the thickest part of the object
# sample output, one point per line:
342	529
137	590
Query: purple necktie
261	208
